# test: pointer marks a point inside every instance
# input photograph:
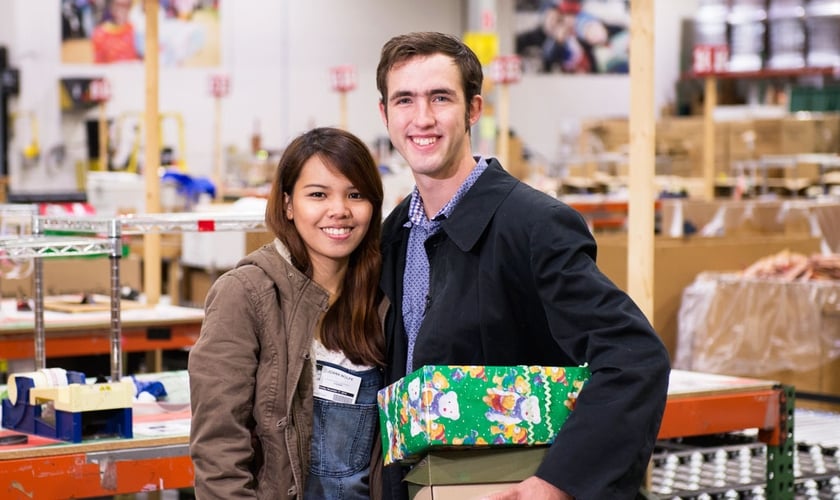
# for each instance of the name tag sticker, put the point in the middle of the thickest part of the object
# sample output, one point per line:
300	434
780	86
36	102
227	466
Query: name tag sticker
335	385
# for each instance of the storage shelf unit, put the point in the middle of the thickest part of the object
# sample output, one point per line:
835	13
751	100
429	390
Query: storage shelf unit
106	234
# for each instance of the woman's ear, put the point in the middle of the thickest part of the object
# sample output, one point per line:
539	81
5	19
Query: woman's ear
287	203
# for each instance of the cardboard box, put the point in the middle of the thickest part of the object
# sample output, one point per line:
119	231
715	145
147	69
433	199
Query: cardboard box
762	328
457	491
464	407
810	133
678	261
751	139
735	217
612	133
681	139
196	283
77	275
466	474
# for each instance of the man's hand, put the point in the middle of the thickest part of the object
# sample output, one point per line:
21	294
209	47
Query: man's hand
532	488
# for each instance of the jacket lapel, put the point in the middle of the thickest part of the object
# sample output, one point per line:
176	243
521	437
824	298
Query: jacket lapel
475	211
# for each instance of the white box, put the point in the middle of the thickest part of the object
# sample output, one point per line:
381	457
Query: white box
114	193
222	250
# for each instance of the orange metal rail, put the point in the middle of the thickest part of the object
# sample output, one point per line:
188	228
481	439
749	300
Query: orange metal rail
156	458
717	413
605	214
157	328
81	475
74	342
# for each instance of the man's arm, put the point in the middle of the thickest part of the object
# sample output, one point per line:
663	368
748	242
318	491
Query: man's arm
603	449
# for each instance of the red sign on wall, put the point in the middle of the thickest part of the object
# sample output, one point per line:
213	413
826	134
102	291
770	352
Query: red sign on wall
506	69
343	78
709	59
100	90
219	85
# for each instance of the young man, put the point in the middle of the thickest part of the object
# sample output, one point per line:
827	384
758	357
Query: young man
481	269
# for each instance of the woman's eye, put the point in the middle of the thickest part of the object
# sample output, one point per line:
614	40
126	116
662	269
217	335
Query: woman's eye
356	196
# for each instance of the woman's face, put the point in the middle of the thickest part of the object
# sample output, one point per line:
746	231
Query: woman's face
330	214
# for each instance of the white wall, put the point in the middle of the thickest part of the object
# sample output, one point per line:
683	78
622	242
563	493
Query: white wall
279	53
353	33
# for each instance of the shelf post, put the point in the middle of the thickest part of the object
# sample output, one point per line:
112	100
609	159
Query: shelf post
38	289
780	479
115	235
642	159
709	104
151	241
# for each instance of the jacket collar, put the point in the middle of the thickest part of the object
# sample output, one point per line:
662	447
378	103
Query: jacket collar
475	211
472	215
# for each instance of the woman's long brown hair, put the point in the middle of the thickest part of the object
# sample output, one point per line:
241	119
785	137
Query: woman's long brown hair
351	324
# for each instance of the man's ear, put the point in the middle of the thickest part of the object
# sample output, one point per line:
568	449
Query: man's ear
383	113
476	107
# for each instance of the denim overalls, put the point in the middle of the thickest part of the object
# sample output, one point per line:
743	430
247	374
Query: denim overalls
342	439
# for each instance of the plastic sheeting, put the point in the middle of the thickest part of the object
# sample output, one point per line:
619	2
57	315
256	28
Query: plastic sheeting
758	327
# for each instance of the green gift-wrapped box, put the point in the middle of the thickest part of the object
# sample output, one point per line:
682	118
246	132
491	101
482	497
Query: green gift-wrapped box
454	407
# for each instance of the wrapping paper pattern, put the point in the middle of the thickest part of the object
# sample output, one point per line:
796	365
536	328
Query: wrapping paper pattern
442	407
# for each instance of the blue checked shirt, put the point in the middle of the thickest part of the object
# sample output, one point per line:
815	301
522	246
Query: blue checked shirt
416	277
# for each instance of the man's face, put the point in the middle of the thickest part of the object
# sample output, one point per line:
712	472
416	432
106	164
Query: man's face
425	113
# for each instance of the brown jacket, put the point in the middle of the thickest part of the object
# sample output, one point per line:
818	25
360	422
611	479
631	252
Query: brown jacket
251	382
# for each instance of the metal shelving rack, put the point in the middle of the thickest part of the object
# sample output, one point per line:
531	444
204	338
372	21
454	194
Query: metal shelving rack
106	239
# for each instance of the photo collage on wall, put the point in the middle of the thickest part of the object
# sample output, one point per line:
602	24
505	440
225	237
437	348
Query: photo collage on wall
113	31
573	36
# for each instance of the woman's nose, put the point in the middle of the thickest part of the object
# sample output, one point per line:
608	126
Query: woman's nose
339	208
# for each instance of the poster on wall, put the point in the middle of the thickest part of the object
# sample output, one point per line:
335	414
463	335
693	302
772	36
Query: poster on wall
113	31
573	36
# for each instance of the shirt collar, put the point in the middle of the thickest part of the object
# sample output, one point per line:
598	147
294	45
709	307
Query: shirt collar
416	212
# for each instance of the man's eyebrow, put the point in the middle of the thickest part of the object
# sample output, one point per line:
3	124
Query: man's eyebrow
401	93
407	93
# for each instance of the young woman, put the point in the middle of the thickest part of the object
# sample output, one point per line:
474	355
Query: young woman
283	378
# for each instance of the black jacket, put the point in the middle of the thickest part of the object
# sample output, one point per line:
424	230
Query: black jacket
513	281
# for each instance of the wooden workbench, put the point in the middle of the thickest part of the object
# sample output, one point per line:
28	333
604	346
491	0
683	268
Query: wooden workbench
157	457
153	328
